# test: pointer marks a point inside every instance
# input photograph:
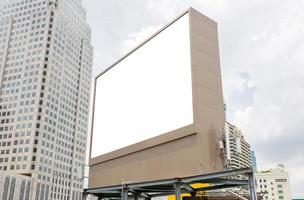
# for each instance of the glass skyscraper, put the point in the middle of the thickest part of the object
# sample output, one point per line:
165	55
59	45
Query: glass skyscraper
45	73
253	161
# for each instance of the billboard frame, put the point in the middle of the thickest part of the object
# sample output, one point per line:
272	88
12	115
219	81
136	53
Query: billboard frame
120	60
201	139
177	186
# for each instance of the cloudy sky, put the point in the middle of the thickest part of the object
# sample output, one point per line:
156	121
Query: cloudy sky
262	51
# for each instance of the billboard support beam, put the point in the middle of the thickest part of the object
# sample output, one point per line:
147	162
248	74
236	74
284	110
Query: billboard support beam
189	189
124	192
178	186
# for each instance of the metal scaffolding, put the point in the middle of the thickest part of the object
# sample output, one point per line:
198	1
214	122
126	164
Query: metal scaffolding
177	186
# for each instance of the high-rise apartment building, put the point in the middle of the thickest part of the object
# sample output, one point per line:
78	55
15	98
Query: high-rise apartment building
273	184
45	73
237	149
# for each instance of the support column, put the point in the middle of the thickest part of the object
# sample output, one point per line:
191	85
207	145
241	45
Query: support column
177	187
252	191
124	192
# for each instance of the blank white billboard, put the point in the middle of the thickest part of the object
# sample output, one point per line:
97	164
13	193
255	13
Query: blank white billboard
146	94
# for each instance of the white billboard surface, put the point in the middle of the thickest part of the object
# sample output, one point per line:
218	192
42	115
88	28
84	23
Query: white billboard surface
146	94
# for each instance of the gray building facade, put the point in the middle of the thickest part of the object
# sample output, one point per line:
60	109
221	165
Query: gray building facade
45	73
15	187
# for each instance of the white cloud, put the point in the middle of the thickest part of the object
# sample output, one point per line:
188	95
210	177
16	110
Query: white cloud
273	124
135	39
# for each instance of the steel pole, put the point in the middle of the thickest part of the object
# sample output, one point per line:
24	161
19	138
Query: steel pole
177	188
124	192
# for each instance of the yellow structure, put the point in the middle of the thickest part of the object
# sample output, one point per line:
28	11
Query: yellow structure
195	186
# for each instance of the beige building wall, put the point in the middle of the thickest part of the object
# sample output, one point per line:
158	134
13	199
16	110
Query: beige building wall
190	150
208	105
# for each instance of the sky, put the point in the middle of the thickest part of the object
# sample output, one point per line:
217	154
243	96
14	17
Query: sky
261	48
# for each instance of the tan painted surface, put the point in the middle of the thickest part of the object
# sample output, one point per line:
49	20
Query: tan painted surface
187	151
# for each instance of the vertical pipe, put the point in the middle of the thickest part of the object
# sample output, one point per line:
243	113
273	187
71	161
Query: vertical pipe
252	190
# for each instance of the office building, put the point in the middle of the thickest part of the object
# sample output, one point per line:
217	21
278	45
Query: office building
45	71
237	149
273	184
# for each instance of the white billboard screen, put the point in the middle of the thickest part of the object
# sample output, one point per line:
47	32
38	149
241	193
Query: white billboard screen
146	94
